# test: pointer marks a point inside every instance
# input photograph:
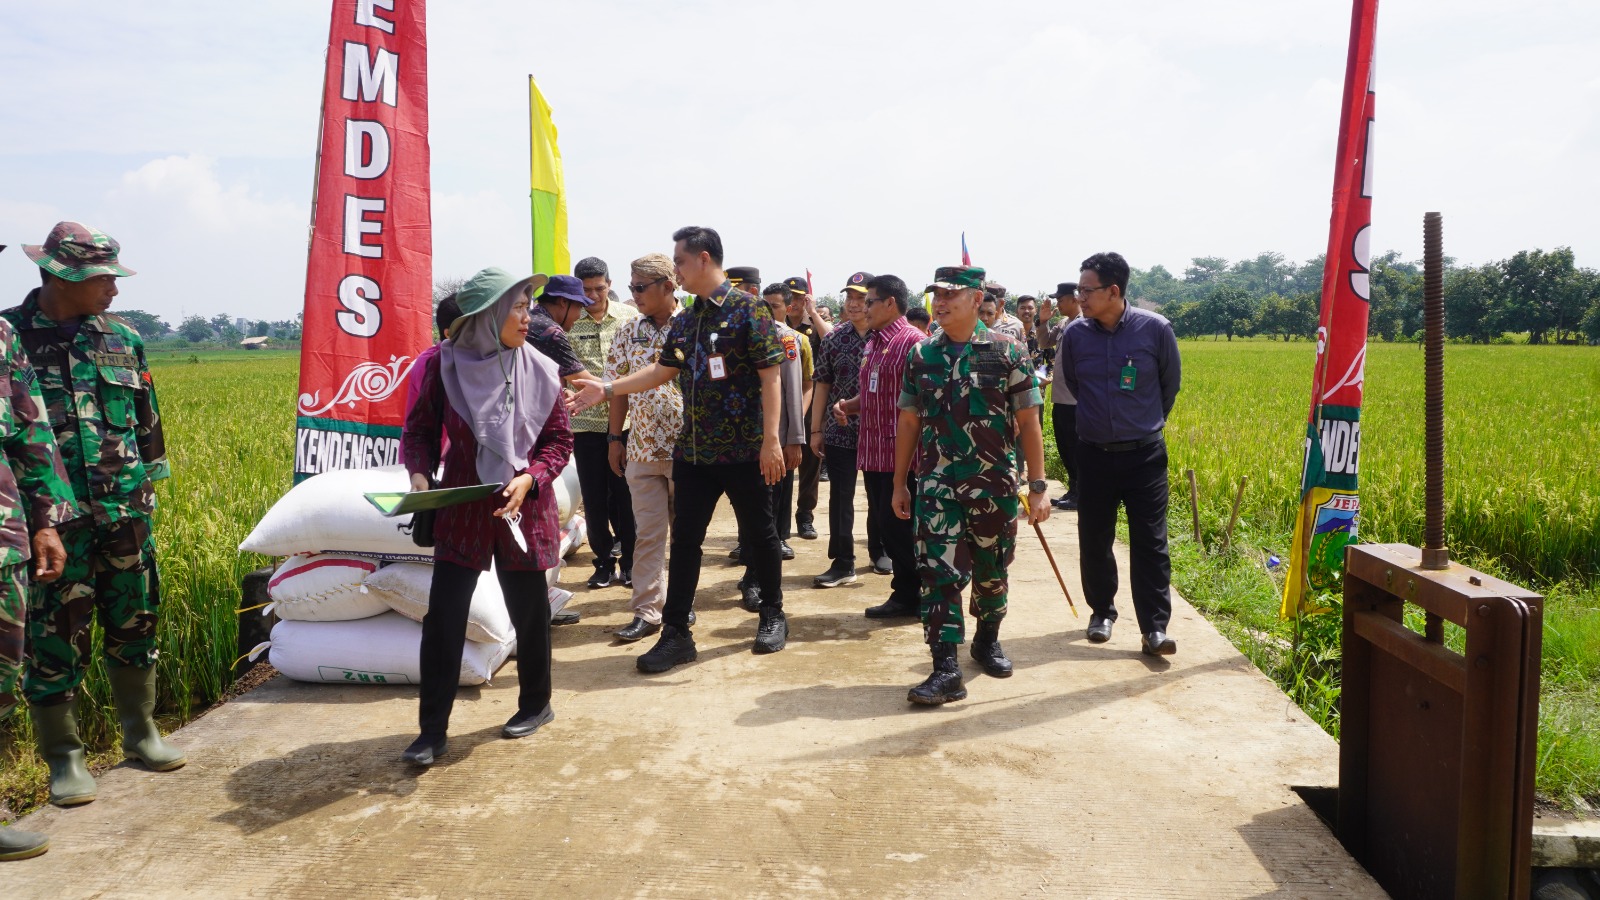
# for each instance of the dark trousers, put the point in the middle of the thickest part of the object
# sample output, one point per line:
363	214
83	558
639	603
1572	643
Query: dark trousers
697	489
782	501
805	510
841	463
607	505
899	540
1135	480
444	637
1065	422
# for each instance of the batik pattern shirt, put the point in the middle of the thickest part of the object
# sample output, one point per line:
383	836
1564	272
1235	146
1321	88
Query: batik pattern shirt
655	417
883	365
839	366
592	341
722	417
101	402
34	492
968	396
546	336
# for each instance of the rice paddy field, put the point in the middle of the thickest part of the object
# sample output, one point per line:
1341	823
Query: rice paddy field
1523	489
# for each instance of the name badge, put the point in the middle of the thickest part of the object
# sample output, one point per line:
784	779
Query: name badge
719	369
1130	377
872	381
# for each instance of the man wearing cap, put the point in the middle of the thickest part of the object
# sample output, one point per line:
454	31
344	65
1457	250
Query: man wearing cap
101	403
836	380
1064	419
1121	363
725	353
34	497
607	507
804	318
560	305
968	401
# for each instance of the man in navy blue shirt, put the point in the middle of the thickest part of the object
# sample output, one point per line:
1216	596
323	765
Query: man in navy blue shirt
1122	364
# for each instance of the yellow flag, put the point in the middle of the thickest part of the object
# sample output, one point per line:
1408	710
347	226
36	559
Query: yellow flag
551	255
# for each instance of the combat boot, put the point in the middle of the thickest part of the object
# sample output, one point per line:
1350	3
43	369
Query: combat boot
18	844
986	650
134	690
944	684
56	729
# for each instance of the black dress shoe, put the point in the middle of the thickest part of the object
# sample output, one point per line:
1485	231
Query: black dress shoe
1156	643
735	553
603	573
1099	629
523	724
883	565
773	632
637	629
894	609
808	531
784	550
675	647
425	749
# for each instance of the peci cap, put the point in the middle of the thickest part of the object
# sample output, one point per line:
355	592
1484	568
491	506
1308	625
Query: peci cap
744	276
483	289
565	287
858	282
1065	289
75	251
956	278
797	285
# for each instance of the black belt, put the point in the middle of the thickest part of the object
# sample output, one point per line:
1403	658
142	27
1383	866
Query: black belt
1125	446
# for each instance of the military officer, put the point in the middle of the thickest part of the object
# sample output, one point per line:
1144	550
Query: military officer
968	400
101	403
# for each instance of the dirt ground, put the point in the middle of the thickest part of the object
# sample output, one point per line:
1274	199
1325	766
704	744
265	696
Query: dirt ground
1094	772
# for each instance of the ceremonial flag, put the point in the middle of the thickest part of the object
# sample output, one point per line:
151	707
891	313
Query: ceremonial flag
369	272
1329	503
966	260
551	255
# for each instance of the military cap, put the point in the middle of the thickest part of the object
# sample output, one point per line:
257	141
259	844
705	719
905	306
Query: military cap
743	276
75	251
956	278
1065	289
995	289
797	285
483	289
858	282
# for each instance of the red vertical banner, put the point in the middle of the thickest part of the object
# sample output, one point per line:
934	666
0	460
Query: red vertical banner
369	273
1330	504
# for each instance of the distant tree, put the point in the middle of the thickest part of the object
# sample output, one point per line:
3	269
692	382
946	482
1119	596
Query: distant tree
221	322
444	287
1287	317
195	329
1268	273
1591	322
1182	315
1539	294
148	325
1307	277
286	330
1226	310
262	328
1205	270
1155	285
1396	303
1473	309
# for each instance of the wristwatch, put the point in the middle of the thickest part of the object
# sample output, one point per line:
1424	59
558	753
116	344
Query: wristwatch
616	439
1038	486
609	390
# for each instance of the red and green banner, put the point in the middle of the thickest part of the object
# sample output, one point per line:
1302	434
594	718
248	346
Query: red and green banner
1330	505
369	273
548	195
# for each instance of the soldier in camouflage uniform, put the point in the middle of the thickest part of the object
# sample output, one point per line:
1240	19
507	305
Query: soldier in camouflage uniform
968	400
34	496
102	407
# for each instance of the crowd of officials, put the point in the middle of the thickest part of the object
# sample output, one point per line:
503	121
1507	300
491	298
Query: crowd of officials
743	390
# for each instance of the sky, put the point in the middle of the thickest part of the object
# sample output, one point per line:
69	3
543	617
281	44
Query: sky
834	136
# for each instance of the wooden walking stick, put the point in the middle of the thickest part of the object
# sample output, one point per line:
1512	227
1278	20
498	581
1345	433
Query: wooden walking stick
1054	568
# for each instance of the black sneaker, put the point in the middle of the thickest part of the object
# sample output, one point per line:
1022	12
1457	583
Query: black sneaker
808	531
894	609
883	565
839	573
773	632
523	724
750	596
735	553
675	648
626	578
603	574
784	550
425	749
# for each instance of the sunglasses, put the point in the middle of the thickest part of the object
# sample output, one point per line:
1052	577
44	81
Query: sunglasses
641	288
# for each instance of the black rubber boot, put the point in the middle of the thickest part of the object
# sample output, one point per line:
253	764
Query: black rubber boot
986	650
944	684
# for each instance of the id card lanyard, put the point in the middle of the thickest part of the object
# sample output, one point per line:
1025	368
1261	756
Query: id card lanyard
1130	376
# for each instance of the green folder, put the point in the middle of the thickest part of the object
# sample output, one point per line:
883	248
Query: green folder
397	503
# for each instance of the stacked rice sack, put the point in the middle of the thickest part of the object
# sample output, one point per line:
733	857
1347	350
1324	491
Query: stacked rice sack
351	595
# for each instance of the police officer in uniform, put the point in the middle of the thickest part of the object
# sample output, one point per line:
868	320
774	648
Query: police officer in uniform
102	406
970	402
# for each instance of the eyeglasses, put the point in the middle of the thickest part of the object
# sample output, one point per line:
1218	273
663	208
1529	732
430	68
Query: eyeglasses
641	288
1082	292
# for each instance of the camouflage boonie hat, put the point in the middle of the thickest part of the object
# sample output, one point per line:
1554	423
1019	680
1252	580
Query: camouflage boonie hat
955	278
75	251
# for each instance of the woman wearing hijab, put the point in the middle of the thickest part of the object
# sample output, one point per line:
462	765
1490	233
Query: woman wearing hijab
495	398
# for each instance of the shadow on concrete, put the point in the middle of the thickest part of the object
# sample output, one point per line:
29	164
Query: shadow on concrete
339	694
1291	845
272	792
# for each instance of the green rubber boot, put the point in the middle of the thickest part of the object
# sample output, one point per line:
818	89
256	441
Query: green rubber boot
18	844
56	728
134	691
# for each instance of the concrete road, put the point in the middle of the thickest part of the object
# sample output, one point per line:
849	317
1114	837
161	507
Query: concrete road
1094	772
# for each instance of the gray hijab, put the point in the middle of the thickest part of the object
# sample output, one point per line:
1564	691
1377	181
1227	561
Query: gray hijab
504	393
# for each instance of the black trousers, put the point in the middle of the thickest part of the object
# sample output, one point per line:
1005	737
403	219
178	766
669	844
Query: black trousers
810	469
899	538
444	637
841	464
782	501
697	489
1135	480
607	505
1065	422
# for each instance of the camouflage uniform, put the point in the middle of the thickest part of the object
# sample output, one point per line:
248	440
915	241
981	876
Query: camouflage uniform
966	478
34	494
102	406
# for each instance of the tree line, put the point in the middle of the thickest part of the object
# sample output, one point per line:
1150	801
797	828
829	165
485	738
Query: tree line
1542	294
220	327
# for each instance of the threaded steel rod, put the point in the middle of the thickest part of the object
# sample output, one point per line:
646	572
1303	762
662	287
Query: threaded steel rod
1435	555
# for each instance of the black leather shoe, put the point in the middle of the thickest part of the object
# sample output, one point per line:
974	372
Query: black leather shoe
603	573
735	553
808	531
523	724
1065	503
944	684
893	609
626	578
883	565
986	651
1156	643
784	550
773	632
425	749
837	574
1099	629
637	629
675	647
750	597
